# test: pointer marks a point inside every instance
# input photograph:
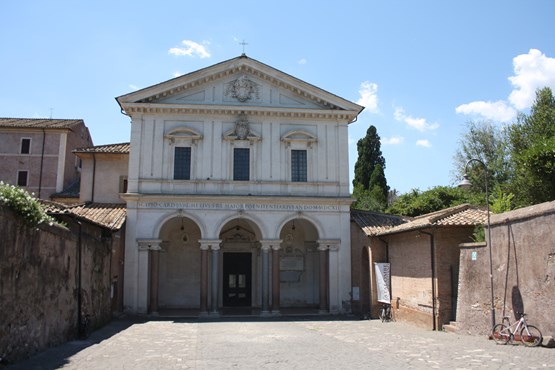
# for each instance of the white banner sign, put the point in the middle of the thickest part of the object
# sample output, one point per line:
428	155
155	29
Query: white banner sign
383	280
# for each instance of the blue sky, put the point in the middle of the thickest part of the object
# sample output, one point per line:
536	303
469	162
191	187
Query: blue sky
421	68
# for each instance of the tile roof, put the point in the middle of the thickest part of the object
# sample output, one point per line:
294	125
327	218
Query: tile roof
373	223
111	216
39	123
121	148
461	215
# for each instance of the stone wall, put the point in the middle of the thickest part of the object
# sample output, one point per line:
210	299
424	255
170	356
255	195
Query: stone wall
523	250
39	284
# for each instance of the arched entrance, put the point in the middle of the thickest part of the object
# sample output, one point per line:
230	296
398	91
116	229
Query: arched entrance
240	249
179	265
300	263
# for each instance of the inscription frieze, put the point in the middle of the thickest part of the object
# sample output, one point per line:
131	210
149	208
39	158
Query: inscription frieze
238	206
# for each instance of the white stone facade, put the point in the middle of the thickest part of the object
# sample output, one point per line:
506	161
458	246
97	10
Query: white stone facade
238	193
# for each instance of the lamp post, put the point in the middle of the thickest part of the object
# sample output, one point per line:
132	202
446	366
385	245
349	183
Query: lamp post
465	183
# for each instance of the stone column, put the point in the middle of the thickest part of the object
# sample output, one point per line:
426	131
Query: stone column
323	249
144	281
265	279
154	276
214	278
275	279
204	247
333	278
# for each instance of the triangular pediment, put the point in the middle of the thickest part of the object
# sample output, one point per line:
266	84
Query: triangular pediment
238	85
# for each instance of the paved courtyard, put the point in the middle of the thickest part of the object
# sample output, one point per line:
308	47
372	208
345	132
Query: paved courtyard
283	344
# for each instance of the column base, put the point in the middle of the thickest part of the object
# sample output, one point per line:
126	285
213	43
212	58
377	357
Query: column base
203	314
214	314
276	313
265	313
323	312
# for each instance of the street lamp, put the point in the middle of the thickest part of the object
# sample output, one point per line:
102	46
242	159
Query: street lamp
465	183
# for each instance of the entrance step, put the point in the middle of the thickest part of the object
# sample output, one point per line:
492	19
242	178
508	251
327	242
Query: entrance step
452	327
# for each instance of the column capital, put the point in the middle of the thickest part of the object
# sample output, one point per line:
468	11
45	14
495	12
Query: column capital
266	244
331	244
206	244
149	244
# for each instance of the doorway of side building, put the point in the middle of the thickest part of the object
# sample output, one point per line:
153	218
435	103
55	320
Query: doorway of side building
237	279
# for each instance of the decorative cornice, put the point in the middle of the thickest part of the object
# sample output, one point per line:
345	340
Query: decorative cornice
227	110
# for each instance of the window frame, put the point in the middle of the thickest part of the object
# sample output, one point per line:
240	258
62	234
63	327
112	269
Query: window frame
189	155
19	173
299	171
245	167
25	139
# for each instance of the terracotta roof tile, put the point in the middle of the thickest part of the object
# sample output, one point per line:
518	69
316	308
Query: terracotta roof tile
109	215
39	123
372	223
461	215
121	148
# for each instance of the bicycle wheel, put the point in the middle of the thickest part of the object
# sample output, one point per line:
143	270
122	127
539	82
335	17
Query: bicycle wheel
531	336
382	314
501	334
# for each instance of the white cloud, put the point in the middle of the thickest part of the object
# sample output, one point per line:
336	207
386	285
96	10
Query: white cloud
133	87
497	111
191	49
418	123
532	71
303	61
394	140
424	143
177	74
369	96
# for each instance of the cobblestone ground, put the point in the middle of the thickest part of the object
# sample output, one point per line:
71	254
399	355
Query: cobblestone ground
283	344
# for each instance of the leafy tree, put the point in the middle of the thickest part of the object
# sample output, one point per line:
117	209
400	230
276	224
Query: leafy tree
490	144
532	141
24	204
416	202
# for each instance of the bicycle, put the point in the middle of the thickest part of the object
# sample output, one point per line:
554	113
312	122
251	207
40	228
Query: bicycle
385	312
529	335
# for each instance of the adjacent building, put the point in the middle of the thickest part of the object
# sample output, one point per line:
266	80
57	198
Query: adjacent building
36	154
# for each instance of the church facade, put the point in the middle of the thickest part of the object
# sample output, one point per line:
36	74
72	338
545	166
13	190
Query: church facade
237	193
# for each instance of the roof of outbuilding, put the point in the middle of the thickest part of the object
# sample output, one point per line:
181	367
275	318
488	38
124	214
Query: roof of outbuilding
461	215
121	148
372	223
46	123
108	215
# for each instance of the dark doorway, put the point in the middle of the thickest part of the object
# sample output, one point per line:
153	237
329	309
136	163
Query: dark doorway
237	280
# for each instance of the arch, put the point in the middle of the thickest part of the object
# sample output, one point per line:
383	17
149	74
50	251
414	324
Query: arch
180	214
254	222
317	225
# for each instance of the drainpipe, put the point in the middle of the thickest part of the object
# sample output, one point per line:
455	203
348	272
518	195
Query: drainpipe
41	161
94	177
433	263
79	297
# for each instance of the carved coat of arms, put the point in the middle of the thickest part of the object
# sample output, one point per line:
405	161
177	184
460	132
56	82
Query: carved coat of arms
242	127
242	89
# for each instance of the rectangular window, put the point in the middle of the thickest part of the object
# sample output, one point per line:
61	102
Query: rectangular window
182	163
25	146
123	184
241	164
22	178
298	166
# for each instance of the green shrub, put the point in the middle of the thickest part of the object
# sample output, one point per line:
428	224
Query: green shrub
24	204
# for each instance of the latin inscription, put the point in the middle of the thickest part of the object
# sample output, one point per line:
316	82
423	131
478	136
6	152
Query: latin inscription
240	206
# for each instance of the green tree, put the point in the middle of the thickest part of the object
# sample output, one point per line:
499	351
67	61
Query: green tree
490	144
532	141
416	202
370	185
369	155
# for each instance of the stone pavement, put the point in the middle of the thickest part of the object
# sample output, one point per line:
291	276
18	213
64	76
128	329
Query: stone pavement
284	343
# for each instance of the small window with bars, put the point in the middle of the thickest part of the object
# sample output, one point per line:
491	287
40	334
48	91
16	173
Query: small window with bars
241	164
298	166
182	163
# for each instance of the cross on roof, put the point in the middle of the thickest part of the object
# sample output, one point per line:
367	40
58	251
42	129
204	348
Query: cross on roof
243	43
